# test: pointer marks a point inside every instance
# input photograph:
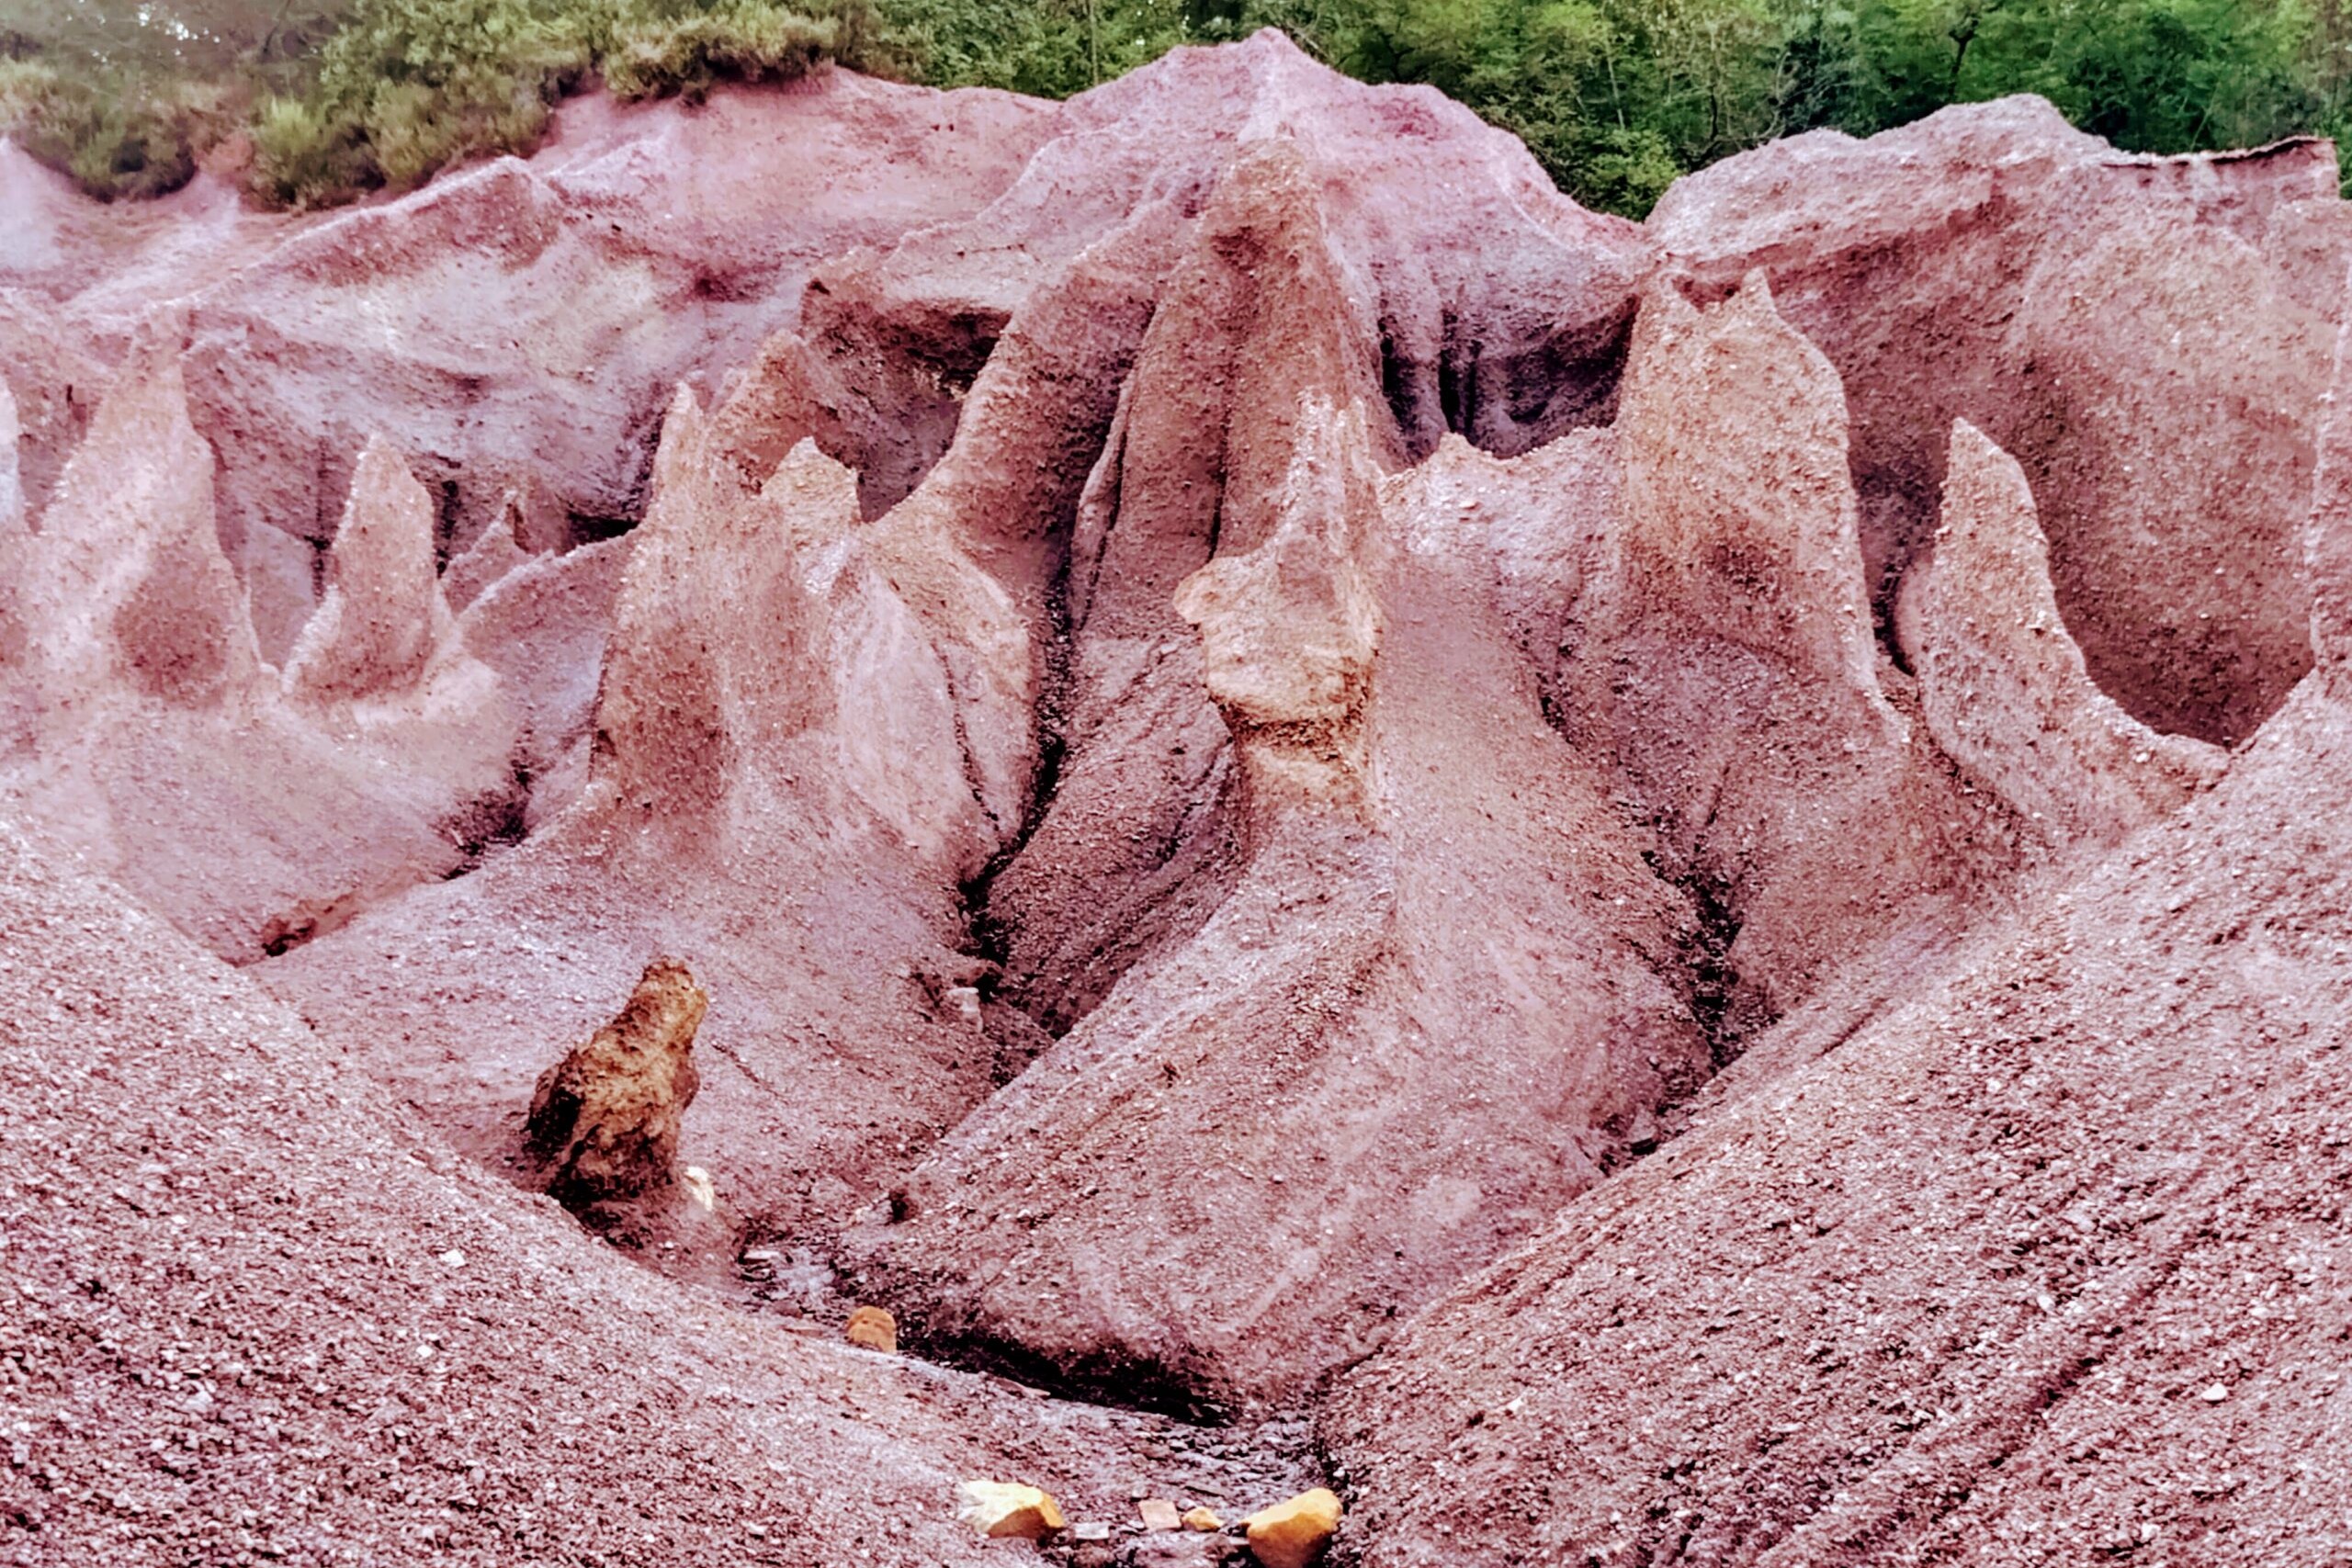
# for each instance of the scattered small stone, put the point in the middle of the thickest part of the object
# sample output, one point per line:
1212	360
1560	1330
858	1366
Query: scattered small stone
874	1328
2215	1394
1293	1534
1159	1513
1203	1519
1091	1530
1641	1137
454	1257
998	1508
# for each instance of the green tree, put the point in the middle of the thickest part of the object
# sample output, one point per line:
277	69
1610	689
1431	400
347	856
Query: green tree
1617	98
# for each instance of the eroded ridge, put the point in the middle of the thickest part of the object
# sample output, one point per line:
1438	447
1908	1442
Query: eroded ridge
2003	684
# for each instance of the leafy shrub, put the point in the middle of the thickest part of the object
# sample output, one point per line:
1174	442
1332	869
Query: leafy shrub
654	60
117	135
1045	48
407	86
304	157
677	50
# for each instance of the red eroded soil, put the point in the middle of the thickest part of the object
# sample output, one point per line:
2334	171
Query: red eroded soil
1643	894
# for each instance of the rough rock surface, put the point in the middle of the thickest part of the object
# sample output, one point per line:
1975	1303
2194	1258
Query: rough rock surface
1297	776
1151	1239
499	549
603	1121
2148	336
1292	1534
2328	541
2002	684
542	629
1443	229
148	733
125	584
525	321
384	616
1722	656
1965	1289
772	787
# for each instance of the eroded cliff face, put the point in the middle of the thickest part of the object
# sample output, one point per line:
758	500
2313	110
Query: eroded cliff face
1238	712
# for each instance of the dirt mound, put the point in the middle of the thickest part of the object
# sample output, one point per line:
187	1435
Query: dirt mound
384	616
1723	656
55	384
148	734
252	1310
1238	1169
124	585
2037	1267
1443	229
498	550
2034	1267
543	629
1204	778
773	786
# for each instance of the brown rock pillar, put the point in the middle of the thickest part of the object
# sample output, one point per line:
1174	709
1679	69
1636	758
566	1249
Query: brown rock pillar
605	1121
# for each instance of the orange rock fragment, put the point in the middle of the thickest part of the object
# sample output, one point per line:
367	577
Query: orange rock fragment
1293	1534
1203	1519
874	1328
1006	1508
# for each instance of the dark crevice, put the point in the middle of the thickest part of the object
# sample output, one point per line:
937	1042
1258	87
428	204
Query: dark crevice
1103	1376
587	530
1882	625
1712	977
1453	399
283	934
1397	385
494	821
448	514
986	938
1505	398
289	929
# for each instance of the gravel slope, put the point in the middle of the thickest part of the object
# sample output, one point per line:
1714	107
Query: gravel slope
246	1316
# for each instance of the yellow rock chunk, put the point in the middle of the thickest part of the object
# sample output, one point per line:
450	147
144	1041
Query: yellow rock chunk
1004	1507
874	1328
1203	1519
1293	1534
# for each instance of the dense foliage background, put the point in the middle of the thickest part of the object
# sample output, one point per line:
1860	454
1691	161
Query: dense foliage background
317	101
